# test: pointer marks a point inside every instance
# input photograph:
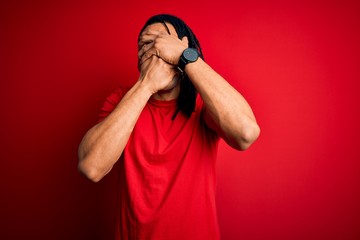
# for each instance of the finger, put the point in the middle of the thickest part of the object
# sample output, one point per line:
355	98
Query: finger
147	55
145	63
144	58
145	48
185	40
142	50
149	33
151	51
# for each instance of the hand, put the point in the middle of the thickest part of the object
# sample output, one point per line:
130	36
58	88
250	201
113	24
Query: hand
163	45
157	74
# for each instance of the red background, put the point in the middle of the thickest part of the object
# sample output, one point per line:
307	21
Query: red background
297	64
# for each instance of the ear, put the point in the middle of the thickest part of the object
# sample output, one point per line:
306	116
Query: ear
185	40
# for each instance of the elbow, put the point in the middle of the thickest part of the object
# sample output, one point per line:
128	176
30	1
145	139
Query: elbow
89	171
247	137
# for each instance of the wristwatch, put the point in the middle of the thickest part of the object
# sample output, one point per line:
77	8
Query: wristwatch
188	56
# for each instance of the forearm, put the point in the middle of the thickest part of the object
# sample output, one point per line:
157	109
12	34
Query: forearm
227	111
103	144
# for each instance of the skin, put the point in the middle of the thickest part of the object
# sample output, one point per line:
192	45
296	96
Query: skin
226	110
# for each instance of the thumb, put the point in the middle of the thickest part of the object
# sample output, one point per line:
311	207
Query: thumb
185	40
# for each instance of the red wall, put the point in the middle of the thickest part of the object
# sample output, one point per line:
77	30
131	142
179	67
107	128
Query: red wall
297	64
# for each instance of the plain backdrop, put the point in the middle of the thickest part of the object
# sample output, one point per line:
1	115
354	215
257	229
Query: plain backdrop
297	64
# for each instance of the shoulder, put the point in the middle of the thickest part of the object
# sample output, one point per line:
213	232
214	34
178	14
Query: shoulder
117	95
112	101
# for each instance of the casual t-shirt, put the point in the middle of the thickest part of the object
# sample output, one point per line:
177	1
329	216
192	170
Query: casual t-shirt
167	175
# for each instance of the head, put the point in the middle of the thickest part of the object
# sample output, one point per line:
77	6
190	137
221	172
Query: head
187	96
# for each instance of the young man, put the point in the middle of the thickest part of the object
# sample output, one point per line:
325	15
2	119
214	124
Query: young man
164	132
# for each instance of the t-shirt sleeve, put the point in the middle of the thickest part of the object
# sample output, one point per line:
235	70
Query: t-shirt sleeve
111	102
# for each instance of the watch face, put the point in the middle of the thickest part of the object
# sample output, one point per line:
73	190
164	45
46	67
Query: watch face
191	54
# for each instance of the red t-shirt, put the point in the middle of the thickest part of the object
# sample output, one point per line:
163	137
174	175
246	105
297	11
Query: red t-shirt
167	175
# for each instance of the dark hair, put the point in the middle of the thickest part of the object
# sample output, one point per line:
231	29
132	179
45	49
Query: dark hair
187	96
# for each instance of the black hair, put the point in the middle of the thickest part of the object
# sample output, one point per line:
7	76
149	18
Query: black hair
187	96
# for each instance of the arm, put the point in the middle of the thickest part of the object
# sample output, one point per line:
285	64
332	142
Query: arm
104	143
226	110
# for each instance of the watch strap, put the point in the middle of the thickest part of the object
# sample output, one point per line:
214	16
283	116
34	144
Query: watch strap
182	63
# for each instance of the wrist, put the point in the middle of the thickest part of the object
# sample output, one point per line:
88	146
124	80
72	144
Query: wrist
189	55
145	87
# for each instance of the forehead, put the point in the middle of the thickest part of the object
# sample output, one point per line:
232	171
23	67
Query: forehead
161	28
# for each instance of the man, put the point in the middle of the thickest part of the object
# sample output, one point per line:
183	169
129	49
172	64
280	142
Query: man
164	132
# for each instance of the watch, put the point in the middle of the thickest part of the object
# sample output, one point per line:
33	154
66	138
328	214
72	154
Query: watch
188	56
